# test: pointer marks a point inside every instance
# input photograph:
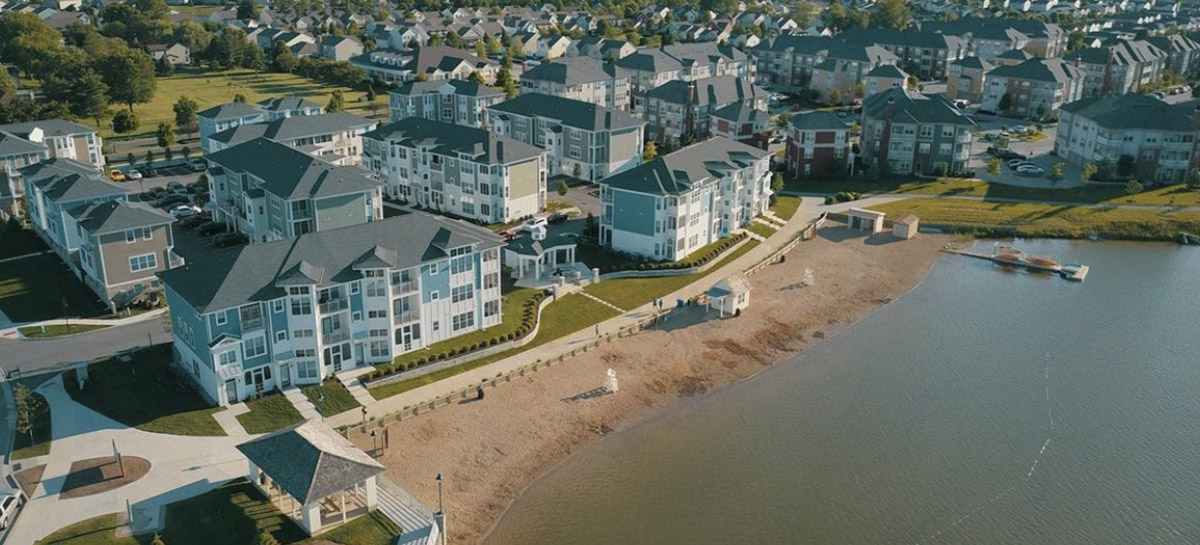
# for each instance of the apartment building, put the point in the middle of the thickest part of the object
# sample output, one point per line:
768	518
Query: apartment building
454	101
431	63
464	171
1034	89
905	132
989	37
1119	67
818	145
579	78
741	123
651	67
1183	53
23	143
789	59
842	76
335	138
924	54
269	191
55	186
292	312
966	79
227	116
679	202
678	111
884	77
1158	139
581	139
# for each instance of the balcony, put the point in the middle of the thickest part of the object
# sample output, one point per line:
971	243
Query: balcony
335	305
334	337
251	325
404	287
405	317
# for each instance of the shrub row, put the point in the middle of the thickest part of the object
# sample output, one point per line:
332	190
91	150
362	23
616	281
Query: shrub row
693	261
529	319
843	196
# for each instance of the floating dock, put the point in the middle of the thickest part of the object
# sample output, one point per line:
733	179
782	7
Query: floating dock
1071	271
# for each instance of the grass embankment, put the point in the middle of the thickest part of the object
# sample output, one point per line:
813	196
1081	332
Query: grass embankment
785	206
760	229
148	392
46	332
330	397
1177	194
630	293
234	513
511	304
1045	220
570	313
36	288
269	413
25	446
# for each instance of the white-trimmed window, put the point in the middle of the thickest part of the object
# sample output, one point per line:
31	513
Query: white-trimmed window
130	236
302	334
142	262
277	305
147	233
228	357
222	318
280	336
463	321
461	293
252	348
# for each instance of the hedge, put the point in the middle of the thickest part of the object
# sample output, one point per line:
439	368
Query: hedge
692	261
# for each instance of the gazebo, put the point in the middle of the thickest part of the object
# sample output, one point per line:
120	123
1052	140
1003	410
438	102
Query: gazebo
313	475
539	253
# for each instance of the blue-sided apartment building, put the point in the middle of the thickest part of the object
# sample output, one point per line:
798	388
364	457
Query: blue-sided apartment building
291	312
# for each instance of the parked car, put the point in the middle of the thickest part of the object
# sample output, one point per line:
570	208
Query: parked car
1030	170
184	211
170	201
557	217
191	222
197	165
225	240
1014	163
133	174
508	234
148	171
210	228
531	223
158	192
11	501
117	176
177	188
197	187
1021	129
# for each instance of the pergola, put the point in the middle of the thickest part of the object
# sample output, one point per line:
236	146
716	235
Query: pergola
530	255
313	475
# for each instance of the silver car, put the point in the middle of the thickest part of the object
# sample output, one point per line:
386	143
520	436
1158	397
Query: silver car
11	501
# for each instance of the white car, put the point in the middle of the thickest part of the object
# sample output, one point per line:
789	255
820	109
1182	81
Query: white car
183	211
1030	170
1020	129
534	223
11	501
133	174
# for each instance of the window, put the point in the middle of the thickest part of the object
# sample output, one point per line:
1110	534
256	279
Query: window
357	317
461	293
280	336
222	318
379	349
142	262
302	334
130	236
306	369
463	321
575	152
252	348
433	269
491	308
277	305
436	325
376	314
301	306
433	296
228	357
354	287
147	233
251	316
491	281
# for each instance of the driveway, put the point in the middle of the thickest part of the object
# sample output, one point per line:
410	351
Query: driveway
585	197
37	356
1039	153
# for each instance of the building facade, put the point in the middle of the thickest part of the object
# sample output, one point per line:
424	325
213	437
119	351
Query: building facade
967	78
1034	89
455	101
678	111
818	145
905	132
58	137
650	67
293	312
1157	141
122	247
335	138
580	78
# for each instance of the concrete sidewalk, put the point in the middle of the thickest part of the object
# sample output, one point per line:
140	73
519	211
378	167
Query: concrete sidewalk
11	331
809	211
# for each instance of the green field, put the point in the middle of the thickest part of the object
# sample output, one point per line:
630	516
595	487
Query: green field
1044	220
269	413
630	293
760	229
330	397
1177	194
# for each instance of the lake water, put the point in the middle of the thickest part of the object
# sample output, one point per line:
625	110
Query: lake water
928	422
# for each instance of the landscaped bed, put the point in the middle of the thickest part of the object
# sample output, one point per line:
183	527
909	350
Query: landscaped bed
148	392
330	397
234	513
269	413
760	229
630	293
696	258
27	446
57	330
35	289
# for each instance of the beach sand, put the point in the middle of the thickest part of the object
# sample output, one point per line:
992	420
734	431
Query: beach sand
490	450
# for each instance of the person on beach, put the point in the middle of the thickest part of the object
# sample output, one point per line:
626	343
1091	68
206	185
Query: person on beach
479	393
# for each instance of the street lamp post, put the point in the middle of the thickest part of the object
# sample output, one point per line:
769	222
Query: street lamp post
439	481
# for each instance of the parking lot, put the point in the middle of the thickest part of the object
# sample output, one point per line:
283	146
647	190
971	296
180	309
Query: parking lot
1038	153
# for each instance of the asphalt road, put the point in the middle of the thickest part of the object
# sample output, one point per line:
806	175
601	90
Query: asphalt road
31	357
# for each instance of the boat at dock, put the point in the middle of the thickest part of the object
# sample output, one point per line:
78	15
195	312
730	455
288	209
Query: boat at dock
1043	261
1009	256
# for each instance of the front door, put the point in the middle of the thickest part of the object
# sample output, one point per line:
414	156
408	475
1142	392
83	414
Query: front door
285	375
231	391
359	356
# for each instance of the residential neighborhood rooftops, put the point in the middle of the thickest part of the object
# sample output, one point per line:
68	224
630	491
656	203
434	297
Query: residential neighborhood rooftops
973	62
114	216
230	110
902	106
1048	70
1135	111
49	127
887	71
310	461
457	86
678	171
322	258
287	103
572	71
817	121
291	128
449	139
69	180
739	112
11	144
290	173
719	90
572	113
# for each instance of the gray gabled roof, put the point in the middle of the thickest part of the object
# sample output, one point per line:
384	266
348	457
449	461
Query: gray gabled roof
572	71
461	87
11	144
322	258
287	103
452	140
114	216
1048	70
290	173
817	121
65	180
50	127
911	107
715	91
572	113
310	461
973	62
229	111
677	172
1135	111
291	128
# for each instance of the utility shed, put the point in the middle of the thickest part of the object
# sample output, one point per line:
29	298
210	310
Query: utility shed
865	220
905	227
730	295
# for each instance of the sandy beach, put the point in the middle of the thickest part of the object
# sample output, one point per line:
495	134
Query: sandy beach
491	450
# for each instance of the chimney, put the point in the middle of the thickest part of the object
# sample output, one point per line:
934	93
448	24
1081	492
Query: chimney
891	104
499	150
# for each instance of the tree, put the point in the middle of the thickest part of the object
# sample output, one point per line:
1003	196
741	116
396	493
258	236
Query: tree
481	49
129	76
28	42
165	134
239	98
505	81
562	188
860	90
476	77
247	9
995	166
1133	188
421	76
455	41
589	223
283	59
128	156
168	154
125	122
149	157
1089	172
892	14
835	97
371	94
185	113
649	152
186	152
6	82
783	119
158	540
1005	102
777	183
1125	165
29	409
80	88
337	102
1056	171
265	538
1076	40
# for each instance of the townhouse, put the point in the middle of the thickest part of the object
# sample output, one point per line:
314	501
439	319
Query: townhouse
464	171
60	138
268	191
1138	135
966	79
292	312
1035	88
581	139
1119	67
678	111
905	132
579	78
742	123
454	101
603	49
427	62
924	54
335	137
340	48
818	145
1183	53
649	67
990	36
679	202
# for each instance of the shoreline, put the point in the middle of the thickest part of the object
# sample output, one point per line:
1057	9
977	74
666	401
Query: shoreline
493	451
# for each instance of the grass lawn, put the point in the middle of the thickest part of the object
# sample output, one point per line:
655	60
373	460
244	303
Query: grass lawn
630	293
569	314
234	513
512	302
148	392
760	229
330	397
785	206
1044	220
39	445
1090	193
46	332
33	289
20	243
269	413
211	88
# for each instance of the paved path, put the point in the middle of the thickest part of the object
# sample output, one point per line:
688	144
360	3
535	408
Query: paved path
23	256
31	357
302	404
809	210
898	196
11	331
183	467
